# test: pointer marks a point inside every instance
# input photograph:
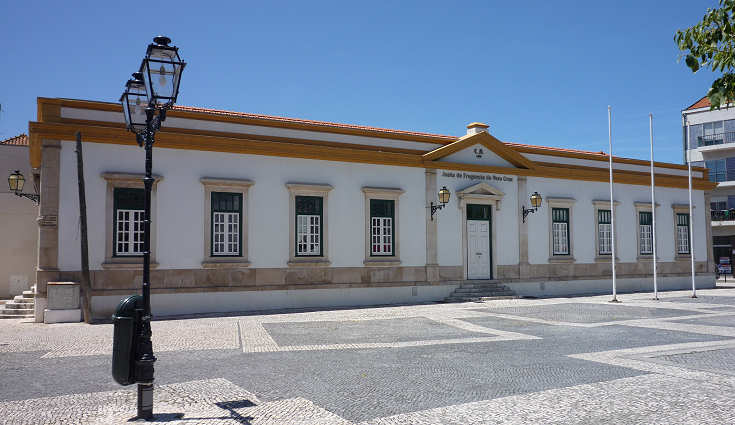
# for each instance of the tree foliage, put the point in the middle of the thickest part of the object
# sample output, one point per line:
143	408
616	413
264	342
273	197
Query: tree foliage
711	44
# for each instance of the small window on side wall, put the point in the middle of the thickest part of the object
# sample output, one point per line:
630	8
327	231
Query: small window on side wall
382	227
309	225
645	232
226	224
128	221
560	231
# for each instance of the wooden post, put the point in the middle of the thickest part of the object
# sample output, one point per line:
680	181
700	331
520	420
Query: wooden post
85	281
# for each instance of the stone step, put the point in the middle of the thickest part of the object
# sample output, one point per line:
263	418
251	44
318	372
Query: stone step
29	294
18	306
17	311
482	294
15	316
22	299
495	288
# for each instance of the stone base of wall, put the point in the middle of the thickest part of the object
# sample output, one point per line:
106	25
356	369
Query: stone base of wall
577	271
178	303
556	288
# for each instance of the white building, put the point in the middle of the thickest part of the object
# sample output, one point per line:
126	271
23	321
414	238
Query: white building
257	212
711	136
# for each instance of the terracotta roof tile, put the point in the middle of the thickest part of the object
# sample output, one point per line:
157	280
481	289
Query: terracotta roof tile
19	140
701	103
309	122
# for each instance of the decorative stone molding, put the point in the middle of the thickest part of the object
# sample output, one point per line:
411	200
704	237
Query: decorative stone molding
135	181
212	184
388	194
561	203
47	220
431	225
306	189
483	194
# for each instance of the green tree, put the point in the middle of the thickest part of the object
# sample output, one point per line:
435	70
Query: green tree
711	44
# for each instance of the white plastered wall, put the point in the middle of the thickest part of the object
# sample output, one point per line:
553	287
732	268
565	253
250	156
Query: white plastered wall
180	208
449	219
583	219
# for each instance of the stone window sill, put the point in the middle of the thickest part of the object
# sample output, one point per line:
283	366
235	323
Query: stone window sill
308	262
560	259
126	264
225	263
605	259
647	257
382	262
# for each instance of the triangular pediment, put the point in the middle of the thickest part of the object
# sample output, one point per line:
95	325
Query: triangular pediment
479	149
481	188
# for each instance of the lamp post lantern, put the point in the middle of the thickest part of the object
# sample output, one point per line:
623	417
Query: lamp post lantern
535	204
16	181
443	199
152	91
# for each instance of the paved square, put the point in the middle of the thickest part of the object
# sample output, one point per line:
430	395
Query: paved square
586	313
511	361
363	331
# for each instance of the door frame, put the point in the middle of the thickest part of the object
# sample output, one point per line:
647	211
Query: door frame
490	244
480	194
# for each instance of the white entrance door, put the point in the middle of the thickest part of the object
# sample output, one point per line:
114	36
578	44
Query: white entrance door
478	249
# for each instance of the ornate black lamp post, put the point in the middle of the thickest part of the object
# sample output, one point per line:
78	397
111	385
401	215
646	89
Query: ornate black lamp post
16	182
147	97
535	204
443	199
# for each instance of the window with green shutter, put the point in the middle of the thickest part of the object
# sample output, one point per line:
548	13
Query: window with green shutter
309	225
645	232
560	231
226	224
382	227
682	233
604	232
128	221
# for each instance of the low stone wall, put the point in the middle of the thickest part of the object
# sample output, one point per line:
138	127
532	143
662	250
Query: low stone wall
582	271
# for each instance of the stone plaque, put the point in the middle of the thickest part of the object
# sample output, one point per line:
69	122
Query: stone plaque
63	295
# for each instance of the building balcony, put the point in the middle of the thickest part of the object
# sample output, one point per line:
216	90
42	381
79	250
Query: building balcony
716	139
721	218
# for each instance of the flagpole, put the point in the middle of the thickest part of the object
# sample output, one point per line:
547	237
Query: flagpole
612	206
653	208
691	216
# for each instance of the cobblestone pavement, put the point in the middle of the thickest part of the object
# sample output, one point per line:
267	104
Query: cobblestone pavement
565	360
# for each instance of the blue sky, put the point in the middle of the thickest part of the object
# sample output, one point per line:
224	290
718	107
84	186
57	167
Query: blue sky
542	73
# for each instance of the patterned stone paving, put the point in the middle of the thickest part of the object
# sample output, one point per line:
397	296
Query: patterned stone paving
579	360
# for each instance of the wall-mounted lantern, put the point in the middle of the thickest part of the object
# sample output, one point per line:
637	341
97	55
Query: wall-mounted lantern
16	182
443	199
535	204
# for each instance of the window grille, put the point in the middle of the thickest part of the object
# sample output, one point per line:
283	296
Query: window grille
309	225
381	227
128	224
645	232
682	233
604	232
560	231
226	223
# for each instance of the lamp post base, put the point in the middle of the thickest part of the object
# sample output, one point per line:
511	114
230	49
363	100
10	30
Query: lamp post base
145	401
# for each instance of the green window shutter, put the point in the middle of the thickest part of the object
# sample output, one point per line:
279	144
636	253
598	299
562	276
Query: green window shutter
382	208
682	220
478	212
645	218
560	215
604	216
309	205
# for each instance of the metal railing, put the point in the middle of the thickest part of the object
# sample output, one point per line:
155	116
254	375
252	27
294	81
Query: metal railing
716	139
723	215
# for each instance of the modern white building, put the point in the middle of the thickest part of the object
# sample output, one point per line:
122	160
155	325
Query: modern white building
257	212
709	141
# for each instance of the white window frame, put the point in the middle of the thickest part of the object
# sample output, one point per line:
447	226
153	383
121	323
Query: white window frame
134	181
309	235
604	204
561	203
306	189
381	235
390	194
242	187
230	240
133	236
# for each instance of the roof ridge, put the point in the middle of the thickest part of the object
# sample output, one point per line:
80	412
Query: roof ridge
307	121
19	140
